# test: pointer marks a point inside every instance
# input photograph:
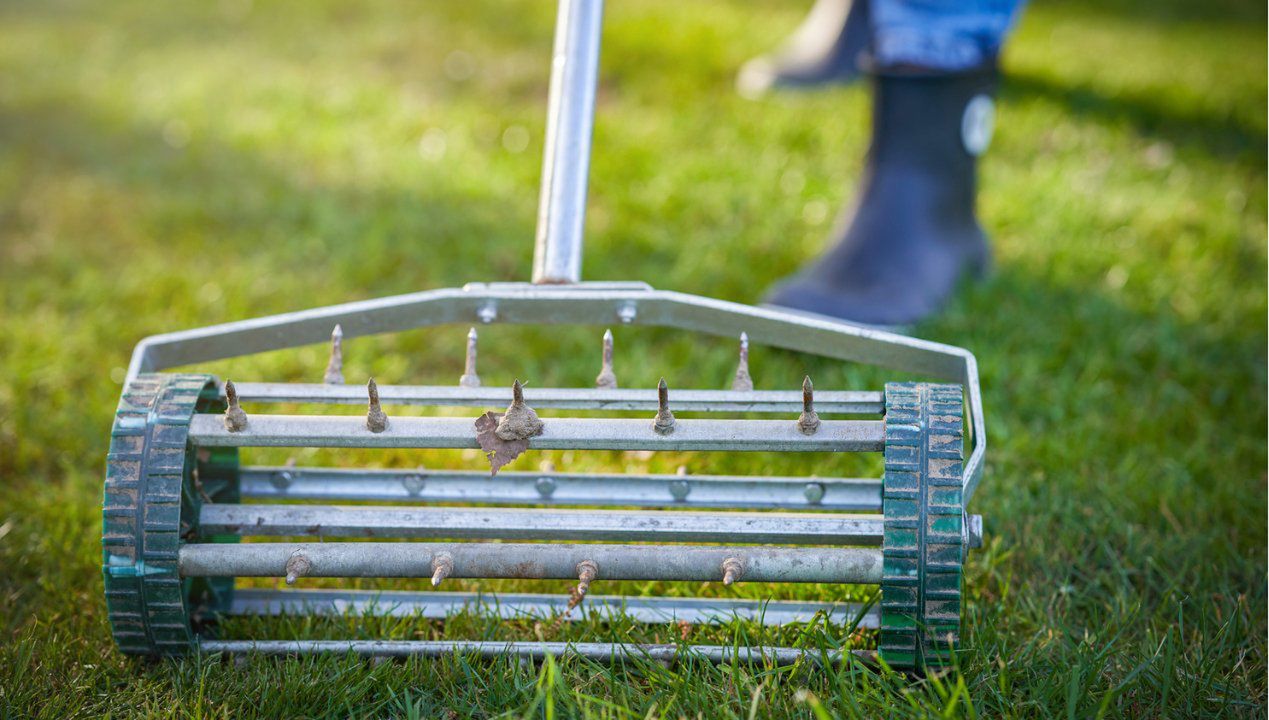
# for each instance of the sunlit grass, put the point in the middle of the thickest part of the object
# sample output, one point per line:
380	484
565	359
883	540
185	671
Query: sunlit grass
166	167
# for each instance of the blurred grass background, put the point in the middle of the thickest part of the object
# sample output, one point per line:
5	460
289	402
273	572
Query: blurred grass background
170	166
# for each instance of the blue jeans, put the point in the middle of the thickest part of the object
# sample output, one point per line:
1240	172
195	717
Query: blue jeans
948	35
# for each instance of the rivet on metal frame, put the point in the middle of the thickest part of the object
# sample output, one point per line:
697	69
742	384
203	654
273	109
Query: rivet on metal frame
235	418
469	378
545	487
679	489
627	313
488	312
414	483
814	492
282	479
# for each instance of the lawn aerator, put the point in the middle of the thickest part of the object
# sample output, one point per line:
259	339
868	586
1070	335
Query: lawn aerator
176	496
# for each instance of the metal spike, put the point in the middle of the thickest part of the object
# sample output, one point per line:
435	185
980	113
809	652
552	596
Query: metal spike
664	422
297	566
808	421
520	422
335	368
376	419
733	568
606	378
743	382
442	566
235	418
470	379
587	571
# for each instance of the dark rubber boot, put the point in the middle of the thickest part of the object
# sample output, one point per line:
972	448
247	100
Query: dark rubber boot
824	49
913	234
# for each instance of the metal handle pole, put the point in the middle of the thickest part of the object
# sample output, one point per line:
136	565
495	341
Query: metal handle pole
557	253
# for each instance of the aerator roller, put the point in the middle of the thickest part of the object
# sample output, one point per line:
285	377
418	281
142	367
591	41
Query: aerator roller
177	499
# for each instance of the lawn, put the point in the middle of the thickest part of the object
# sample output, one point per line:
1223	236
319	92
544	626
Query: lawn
166	166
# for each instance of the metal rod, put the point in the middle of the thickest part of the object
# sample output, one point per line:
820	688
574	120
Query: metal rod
509	606
570	119
530	650
534	561
395	521
431	486
558	434
633	399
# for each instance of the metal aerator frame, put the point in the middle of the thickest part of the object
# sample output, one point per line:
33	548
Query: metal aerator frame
173	509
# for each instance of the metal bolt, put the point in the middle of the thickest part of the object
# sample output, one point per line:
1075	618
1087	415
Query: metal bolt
488	312
664	422
442	566
413	484
520	422
470	379
376	420
297	566
545	486
808	421
606	378
733	568
814	493
679	489
283	478
742	382
587	571
627	313
335	368
235	418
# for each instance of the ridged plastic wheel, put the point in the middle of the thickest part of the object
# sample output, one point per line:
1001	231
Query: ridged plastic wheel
923	547
155	485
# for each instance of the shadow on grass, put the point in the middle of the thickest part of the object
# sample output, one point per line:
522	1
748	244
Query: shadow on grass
1194	128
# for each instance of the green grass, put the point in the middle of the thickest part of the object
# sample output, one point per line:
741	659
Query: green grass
171	166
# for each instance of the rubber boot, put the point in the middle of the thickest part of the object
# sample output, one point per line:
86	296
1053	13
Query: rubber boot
824	49
913	233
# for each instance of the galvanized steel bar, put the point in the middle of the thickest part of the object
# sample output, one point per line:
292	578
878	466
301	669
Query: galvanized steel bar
557	253
510	606
625	399
605	652
559	434
480	523
508	487
534	561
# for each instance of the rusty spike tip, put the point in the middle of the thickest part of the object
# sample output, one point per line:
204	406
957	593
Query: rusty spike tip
520	422
607	378
743	382
335	367
235	418
297	566
809	420
376	419
587	571
442	566
470	378
664	422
